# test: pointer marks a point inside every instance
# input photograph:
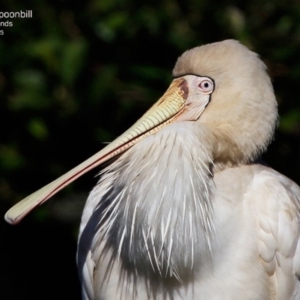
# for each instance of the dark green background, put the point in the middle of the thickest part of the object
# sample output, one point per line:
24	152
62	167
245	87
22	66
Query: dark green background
78	74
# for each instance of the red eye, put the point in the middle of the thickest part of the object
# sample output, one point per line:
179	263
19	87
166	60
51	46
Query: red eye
206	86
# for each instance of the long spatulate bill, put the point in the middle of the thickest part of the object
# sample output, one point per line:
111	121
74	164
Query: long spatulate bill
164	112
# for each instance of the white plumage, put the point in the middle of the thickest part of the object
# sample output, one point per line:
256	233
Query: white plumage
183	211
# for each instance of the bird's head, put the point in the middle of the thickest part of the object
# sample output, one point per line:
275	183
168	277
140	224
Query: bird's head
222	87
242	109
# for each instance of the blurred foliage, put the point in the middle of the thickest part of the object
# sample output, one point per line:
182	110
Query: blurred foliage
78	73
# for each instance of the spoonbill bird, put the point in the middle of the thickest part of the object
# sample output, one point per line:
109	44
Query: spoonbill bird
183	210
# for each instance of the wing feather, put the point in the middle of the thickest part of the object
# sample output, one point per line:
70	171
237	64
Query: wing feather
279	231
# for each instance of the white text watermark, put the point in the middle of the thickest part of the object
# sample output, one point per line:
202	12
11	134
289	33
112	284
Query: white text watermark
8	15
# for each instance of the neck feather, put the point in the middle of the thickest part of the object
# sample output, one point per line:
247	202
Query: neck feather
157	212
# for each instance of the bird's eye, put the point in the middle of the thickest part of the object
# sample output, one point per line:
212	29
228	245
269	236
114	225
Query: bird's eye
206	86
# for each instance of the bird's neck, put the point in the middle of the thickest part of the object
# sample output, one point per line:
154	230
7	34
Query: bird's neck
233	144
158	213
